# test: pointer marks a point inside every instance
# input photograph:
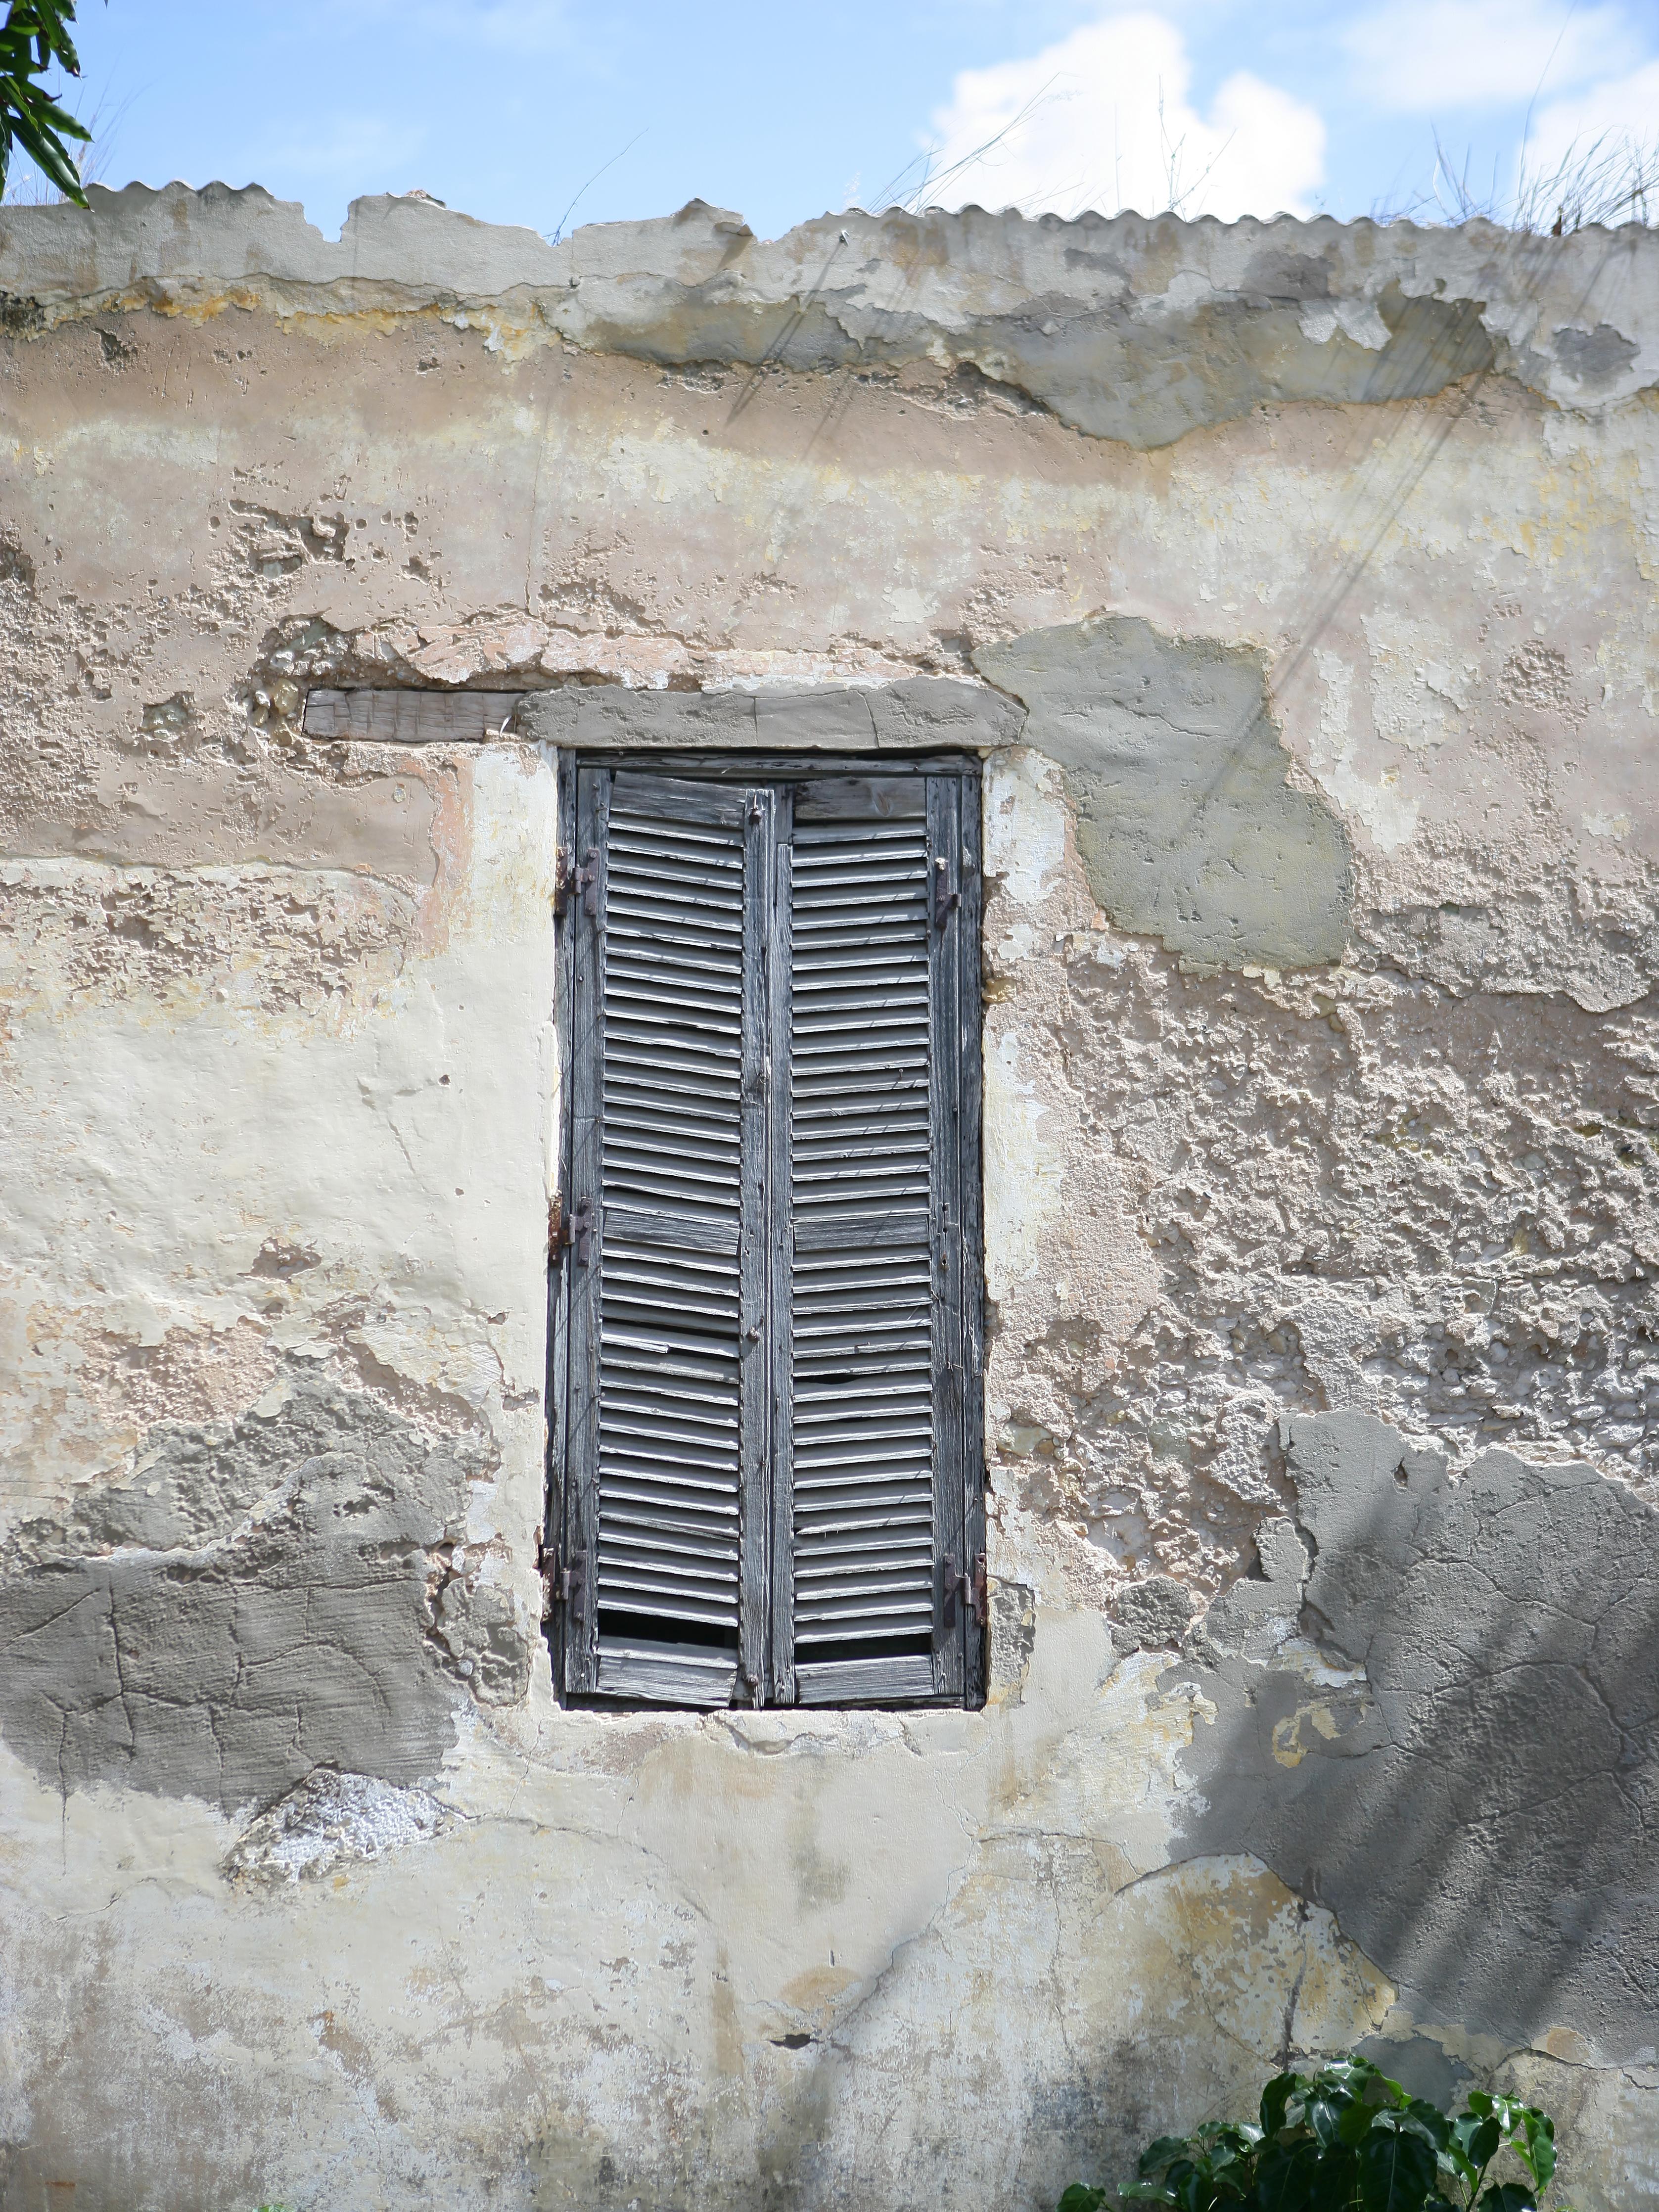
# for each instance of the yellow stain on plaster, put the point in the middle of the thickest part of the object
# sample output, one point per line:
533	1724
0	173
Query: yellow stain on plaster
817	1988
1291	1745
1225	1944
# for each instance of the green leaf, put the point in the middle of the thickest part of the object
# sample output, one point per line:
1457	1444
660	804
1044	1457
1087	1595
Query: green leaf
1397	2169
1508	2196
1274	2098
1228	2142
1479	2103
1285	2176
1478	2137
1335	2179
1452	2160
1189	2184
1348	2072
1150	2193
1324	2110
1080	2197
34	35
1163	2153
1432	2121
1355	2122
1538	2154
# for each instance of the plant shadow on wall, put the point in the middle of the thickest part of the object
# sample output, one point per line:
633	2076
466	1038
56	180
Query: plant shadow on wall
1436	1715
1348	2136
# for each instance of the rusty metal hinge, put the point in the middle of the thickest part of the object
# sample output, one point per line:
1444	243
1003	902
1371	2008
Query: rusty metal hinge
578	1231
570	1586
971	1589
565	1229
569	882
565	1584
586	881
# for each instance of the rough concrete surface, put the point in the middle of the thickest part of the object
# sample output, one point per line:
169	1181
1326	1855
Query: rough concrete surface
1482	1677
1295	583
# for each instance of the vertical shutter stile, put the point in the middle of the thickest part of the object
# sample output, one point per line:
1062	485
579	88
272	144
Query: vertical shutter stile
583	1326
780	1251
556	1399
760	1185
967	1056
944	1228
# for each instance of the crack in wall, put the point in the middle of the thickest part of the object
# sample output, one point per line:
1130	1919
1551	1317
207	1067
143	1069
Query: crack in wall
284	1623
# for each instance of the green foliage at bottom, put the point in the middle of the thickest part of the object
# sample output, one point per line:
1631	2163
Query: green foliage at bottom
1347	2139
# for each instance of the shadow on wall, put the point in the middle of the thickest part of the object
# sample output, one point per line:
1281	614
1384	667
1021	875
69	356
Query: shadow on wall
1464	1771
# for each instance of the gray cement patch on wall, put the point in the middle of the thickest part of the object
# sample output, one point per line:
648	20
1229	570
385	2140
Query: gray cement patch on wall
1477	1805
926	711
1186	824
255	1603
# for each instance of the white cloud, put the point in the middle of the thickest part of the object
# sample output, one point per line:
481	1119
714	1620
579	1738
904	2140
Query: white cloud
1426	57
1078	126
1623	110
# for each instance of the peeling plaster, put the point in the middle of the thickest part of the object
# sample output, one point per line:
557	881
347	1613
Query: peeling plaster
1147	328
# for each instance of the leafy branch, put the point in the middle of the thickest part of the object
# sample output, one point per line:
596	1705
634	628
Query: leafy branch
34	35
1347	2139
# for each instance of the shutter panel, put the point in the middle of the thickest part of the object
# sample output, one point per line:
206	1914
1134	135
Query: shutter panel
662	1359
873	1476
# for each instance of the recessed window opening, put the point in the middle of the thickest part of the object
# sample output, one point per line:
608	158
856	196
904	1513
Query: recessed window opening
766	1451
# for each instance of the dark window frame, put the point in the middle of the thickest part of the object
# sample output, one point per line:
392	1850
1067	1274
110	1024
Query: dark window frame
952	784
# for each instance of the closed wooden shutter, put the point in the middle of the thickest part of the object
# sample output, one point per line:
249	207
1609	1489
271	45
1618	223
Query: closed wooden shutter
863	1095
665	1345
772	1453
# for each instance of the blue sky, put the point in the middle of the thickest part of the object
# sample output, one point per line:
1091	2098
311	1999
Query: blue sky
508	108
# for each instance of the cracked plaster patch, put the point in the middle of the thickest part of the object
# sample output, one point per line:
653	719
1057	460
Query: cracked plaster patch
1187	827
268	1594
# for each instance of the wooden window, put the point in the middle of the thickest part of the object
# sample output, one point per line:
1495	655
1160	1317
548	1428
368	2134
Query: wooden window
767	1456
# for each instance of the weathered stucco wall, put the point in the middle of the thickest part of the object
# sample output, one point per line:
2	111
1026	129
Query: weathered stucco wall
1299	583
